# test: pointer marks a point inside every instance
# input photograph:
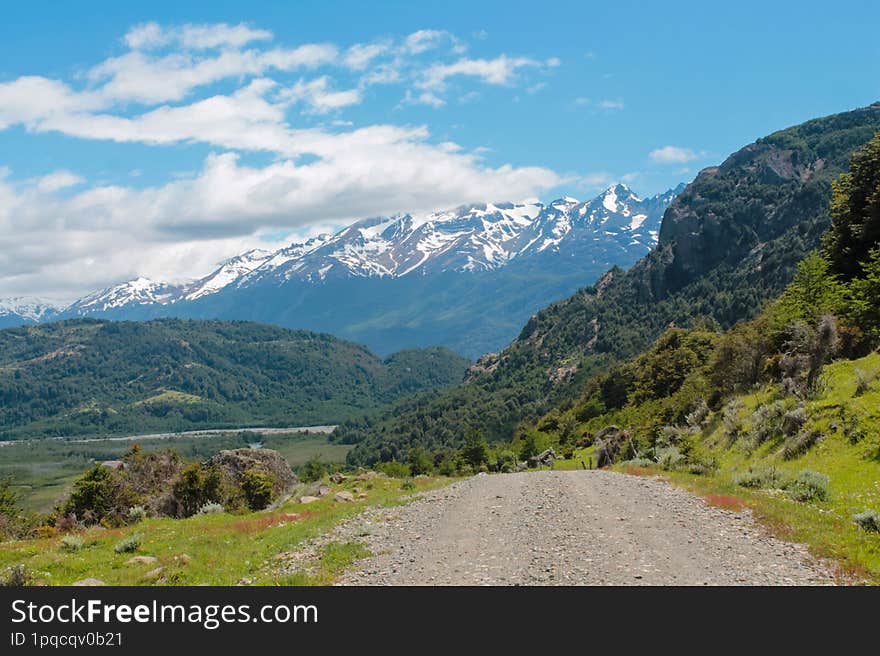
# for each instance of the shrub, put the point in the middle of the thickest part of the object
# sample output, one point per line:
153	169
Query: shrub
863	382
799	444
408	485
808	486
420	461
393	469
211	508
767	421
506	461
196	487
257	487
696	418
730	419
868	520
794	420
98	494
702	467
761	478
128	545
313	470
669	457
137	514
17	576
72	543
639	462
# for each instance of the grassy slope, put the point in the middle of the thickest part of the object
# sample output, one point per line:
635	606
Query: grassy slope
222	549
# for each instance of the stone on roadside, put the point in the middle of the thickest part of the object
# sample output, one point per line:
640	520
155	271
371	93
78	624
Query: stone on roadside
343	496
88	582
338	478
308	499
154	573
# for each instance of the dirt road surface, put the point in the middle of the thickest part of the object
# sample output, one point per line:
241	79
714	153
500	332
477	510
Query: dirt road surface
570	528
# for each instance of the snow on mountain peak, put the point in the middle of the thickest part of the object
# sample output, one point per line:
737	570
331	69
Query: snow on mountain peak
476	237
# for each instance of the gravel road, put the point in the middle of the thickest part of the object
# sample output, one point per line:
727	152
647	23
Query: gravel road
570	528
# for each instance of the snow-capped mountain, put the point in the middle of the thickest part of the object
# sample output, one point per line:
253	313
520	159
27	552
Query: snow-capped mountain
413	279
26	310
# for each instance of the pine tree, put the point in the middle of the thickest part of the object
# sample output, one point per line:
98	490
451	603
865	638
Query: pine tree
855	208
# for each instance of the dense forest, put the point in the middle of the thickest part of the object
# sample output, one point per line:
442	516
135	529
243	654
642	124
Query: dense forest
730	243
99	377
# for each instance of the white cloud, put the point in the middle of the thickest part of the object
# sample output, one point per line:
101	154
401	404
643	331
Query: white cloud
92	235
672	155
611	104
424	40
320	97
140	77
358	56
423	98
196	37
59	180
499	71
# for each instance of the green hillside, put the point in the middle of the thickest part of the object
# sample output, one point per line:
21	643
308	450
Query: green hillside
87	377
729	243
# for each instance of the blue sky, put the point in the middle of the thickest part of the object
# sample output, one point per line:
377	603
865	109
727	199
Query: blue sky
156	138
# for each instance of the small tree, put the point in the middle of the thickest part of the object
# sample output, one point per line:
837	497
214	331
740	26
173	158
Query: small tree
420	461
475	451
258	487
313	470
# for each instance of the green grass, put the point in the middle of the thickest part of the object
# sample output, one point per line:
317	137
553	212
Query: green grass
220	549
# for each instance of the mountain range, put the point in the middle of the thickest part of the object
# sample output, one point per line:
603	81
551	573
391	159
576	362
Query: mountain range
729	243
466	279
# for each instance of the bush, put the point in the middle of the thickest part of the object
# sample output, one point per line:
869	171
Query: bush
257	487
808	486
868	520
393	469
768	478
313	470
766	422
730	419
794	420
863	381
196	487
17	576
408	485
72	543
211	508
505	461
696	418
669	458
128	545
638	462
799	444
137	514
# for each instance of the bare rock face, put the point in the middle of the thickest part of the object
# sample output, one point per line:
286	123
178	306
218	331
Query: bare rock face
233	464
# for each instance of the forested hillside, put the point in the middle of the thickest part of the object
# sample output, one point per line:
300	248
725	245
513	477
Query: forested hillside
729	243
99	377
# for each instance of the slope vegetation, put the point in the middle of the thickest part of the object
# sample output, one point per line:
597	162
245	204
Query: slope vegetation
88	376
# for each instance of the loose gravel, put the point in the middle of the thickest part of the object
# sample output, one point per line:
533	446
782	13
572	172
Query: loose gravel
569	528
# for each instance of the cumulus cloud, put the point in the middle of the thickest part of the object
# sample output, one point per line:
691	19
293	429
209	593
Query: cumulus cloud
672	155
62	235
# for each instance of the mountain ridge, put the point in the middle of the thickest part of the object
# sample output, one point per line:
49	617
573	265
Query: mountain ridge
516	256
